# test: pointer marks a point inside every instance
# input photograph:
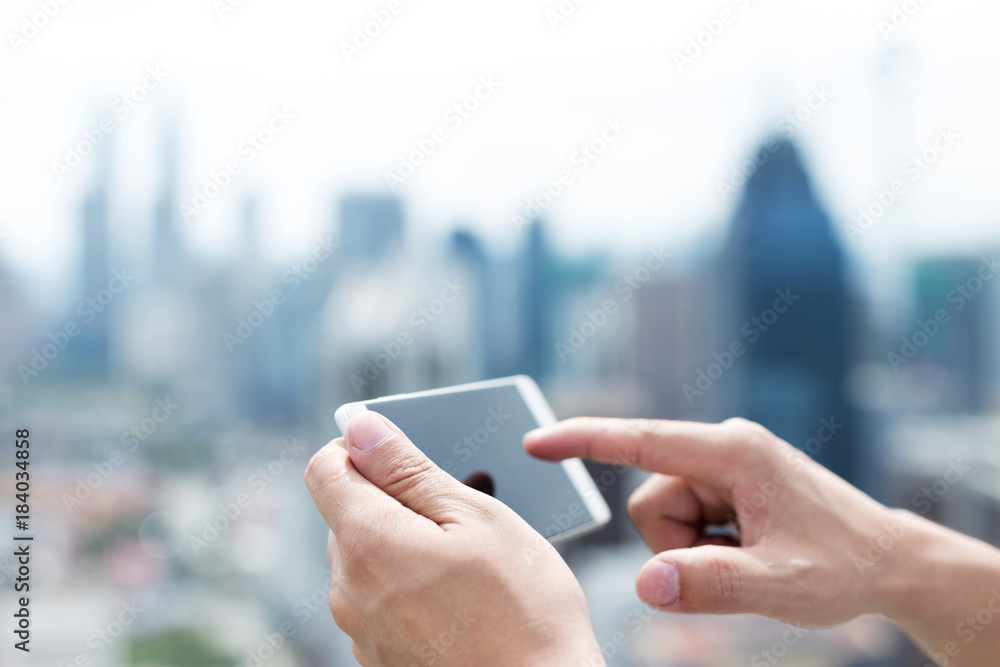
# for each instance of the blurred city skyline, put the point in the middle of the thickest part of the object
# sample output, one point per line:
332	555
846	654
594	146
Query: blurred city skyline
221	219
688	128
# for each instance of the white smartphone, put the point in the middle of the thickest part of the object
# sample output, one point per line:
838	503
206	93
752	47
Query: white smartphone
474	432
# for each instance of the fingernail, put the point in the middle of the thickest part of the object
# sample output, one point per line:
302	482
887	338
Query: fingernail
660	582
367	430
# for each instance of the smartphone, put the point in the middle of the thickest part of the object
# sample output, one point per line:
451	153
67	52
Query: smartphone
474	432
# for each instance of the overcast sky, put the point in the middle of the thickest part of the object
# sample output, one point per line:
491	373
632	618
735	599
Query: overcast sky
556	87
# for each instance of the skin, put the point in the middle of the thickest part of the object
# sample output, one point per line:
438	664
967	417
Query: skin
410	545
427	571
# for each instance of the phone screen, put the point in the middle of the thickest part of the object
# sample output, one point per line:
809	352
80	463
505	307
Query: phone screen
476	436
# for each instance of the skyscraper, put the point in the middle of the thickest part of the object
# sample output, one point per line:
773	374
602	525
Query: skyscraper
168	248
958	351
370	226
786	273
91	351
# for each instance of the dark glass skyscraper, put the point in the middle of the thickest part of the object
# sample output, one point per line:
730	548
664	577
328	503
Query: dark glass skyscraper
782	256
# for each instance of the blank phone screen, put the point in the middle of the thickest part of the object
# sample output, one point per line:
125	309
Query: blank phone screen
475	435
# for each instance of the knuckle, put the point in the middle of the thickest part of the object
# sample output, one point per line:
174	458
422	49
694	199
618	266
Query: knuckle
644	429
475	506
726	580
743	428
750	438
408	473
323	467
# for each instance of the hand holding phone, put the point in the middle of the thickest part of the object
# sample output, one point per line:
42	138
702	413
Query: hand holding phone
425	570
474	432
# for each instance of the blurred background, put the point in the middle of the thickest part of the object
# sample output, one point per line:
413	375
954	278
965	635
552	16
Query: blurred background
220	219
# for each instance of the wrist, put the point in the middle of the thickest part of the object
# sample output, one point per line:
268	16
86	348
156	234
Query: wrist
933	578
911	572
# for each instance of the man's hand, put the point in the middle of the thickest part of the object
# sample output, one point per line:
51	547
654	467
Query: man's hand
812	550
427	571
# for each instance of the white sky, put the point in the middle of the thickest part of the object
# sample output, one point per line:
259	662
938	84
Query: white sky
610	59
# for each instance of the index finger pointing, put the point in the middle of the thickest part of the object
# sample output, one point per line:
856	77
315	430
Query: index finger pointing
686	449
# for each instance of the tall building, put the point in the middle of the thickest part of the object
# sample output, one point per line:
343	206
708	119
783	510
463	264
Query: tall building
18	322
91	351
466	253
370	226
786	275
168	248
537	300
668	343
956	362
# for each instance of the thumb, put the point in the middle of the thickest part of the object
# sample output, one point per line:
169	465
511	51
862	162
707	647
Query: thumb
707	579
387	459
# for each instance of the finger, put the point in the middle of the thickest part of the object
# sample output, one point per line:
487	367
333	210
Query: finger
666	513
387	458
672	512
709	579
343	496
687	449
